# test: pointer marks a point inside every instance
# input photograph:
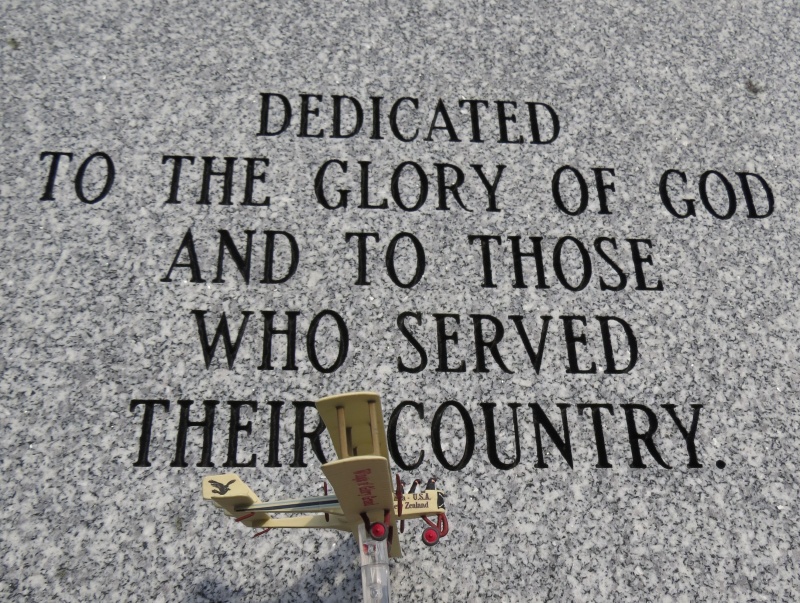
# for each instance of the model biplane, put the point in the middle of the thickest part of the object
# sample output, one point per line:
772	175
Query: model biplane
361	480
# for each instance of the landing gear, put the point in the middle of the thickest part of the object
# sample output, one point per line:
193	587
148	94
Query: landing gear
378	531
430	536
434	531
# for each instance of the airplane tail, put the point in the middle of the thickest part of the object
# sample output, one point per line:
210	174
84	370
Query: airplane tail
229	493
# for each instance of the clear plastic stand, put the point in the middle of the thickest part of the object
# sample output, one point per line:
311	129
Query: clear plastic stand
374	568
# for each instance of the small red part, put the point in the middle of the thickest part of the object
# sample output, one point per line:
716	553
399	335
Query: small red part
243	517
430	536
262	532
399	495
441	526
378	531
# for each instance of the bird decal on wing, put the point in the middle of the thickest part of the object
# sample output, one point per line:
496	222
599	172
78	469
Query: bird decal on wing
219	488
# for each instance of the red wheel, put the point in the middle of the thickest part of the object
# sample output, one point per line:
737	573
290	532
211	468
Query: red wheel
430	536
378	531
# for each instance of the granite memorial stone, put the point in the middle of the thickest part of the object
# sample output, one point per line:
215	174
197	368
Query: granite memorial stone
558	238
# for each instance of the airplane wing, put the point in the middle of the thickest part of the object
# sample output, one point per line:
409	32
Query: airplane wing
355	423
361	477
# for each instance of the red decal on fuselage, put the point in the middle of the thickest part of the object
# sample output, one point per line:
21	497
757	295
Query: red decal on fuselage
366	488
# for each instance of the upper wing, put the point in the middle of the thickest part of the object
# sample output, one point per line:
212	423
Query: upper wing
355	423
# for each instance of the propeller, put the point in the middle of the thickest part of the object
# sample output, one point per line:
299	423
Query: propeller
325	491
399	495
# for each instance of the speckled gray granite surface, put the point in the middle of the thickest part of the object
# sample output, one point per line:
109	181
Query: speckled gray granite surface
101	302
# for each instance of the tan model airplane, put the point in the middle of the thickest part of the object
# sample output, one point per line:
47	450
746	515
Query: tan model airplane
361	480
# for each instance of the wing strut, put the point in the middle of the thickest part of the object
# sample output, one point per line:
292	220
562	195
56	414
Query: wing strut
340	419
373	422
